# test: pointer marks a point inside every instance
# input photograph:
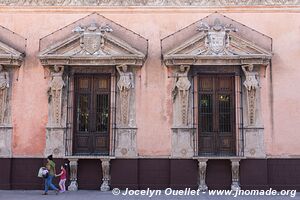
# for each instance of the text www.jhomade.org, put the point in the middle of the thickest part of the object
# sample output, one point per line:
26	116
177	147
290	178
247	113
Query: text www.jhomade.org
190	192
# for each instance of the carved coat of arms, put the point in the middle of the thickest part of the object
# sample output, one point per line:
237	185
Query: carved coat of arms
92	40
217	38
216	41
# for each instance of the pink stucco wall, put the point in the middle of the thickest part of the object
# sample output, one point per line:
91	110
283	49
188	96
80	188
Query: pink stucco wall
154	107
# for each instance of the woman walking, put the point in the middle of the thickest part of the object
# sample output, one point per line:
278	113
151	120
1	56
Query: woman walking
48	181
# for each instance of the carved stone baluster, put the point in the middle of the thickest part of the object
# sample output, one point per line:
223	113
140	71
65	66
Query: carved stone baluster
202	164
73	175
235	169
106	176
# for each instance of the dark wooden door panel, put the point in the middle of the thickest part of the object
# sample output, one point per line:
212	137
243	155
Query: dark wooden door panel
92	114
216	114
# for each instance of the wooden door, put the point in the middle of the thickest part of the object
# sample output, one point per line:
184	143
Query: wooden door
216	115
91	114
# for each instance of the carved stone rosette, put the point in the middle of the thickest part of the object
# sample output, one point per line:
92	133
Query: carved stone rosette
105	186
73	175
182	142
202	164
235	173
126	142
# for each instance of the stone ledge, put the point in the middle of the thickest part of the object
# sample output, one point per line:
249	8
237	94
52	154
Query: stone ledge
89	157
126	127
152	3
220	157
183	127
55	127
6	127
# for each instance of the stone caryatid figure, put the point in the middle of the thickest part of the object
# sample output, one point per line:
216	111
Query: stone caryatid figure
55	94
125	84
181	91
4	86
252	85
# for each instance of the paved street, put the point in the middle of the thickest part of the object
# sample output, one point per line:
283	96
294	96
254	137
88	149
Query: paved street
94	195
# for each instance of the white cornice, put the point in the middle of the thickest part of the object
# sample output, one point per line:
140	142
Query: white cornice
151	3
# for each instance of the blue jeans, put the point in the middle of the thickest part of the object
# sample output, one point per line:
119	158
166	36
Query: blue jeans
48	183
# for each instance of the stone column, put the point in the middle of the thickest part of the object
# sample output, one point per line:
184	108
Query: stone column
202	164
106	175
235	172
73	175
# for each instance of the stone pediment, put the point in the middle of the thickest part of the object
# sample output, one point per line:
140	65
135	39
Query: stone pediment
92	45
9	56
216	44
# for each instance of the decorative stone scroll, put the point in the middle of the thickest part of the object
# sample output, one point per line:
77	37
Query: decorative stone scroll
105	186
125	84
181	91
202	164
252	85
73	174
55	95
235	173
4	86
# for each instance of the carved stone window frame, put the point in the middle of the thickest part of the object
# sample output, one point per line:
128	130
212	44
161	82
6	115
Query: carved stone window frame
92	49
10	60
213	44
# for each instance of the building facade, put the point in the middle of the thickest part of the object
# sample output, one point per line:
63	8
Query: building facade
138	94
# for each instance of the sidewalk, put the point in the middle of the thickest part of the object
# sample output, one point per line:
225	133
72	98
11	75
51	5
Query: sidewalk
97	195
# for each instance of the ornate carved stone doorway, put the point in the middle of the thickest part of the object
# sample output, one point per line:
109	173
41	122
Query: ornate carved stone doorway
216	116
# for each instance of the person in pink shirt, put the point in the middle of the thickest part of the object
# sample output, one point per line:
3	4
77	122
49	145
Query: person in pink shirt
63	178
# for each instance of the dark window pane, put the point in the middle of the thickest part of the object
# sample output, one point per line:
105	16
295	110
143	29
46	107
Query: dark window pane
224	113
102	109
83	113
206	113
